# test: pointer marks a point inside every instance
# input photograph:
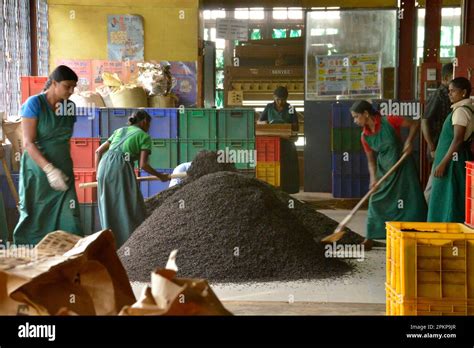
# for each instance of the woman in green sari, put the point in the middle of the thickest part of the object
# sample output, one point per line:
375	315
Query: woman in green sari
121	205
48	200
399	197
447	201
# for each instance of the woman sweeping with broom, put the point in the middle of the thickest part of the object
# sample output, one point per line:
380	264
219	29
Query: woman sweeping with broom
121	205
399	197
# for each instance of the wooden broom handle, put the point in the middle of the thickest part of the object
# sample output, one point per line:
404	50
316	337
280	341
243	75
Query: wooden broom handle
141	178
373	189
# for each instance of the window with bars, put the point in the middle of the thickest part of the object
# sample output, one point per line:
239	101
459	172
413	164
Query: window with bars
15	51
43	37
450	32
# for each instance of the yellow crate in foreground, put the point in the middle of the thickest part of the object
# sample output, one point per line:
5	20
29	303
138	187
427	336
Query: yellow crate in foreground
269	172
430	269
397	305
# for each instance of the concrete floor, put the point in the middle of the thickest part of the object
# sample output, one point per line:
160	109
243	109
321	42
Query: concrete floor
362	291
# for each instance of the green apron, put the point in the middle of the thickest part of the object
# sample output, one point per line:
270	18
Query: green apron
448	192
289	176
121	205
399	197
43	209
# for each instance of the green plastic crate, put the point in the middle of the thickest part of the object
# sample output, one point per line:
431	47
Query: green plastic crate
346	139
188	149
198	124
236	124
242	151
90	218
164	153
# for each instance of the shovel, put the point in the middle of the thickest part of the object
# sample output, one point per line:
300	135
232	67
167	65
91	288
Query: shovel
141	178
339	231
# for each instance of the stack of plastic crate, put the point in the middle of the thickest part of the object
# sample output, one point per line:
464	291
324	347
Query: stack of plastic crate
84	142
236	138
268	160
350	174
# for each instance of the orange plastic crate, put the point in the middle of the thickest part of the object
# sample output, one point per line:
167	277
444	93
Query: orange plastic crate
31	85
85	195
83	152
268	149
469	212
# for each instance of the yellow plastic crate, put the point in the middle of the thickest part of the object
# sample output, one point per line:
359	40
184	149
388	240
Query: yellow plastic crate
429	265
269	172
397	305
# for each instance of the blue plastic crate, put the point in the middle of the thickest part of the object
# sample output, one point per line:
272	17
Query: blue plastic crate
164	123
341	116
87	123
112	119
151	188
8	199
349	186
350	163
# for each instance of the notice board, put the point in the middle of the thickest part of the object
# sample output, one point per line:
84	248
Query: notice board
348	75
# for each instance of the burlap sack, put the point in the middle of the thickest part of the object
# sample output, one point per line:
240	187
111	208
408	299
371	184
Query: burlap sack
65	274
14	133
173	296
88	99
159	101
129	97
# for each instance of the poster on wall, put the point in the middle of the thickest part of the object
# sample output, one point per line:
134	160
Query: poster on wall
101	66
83	70
348	75
90	71
125	37
185	74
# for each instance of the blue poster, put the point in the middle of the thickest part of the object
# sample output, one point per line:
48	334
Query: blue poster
125	37
185	85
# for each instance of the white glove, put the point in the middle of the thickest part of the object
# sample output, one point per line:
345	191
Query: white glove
57	179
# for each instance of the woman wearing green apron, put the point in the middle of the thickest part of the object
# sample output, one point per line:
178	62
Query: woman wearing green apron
281	112
48	200
399	197
121	205
448	191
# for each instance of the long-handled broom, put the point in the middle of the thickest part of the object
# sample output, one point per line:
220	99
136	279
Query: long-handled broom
139	179
339	231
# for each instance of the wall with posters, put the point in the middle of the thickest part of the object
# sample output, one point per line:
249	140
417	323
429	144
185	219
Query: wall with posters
79	31
90	72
